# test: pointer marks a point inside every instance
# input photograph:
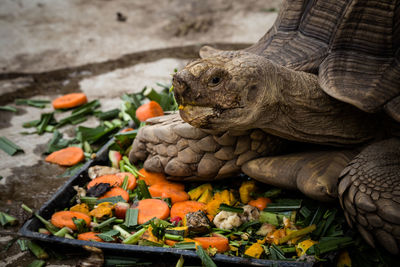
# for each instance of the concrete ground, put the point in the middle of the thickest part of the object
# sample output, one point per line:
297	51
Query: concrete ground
104	49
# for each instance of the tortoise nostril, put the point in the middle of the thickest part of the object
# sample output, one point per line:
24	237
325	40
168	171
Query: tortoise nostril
179	84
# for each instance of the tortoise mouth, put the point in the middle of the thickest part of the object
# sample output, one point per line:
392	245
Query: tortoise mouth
197	116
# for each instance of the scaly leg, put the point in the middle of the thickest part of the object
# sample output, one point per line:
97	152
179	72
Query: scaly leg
369	193
167	144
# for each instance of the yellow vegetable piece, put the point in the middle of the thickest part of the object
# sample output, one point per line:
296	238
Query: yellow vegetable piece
83	207
206	196
254	251
225	197
195	193
103	209
303	246
245	189
344	259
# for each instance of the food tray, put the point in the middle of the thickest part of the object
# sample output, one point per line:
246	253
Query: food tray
62	197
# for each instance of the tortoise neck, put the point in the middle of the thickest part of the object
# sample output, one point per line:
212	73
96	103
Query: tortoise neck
304	112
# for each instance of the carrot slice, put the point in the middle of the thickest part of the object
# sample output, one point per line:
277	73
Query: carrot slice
111	179
260	203
220	243
64	218
131	179
150	208
127	130
180	209
169	190
69	100
151	178
116	191
66	157
149	110
90	236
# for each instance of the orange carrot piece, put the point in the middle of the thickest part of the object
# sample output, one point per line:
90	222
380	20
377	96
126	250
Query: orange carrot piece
260	203
150	208
170	242
127	130
69	100
220	243
90	236
151	178
64	218
180	209
66	157
131	179
111	179
116	191
149	110
169	190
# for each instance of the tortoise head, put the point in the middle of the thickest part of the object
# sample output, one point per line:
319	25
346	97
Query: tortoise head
223	88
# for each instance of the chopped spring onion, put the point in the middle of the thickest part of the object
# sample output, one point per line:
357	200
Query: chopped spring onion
9	147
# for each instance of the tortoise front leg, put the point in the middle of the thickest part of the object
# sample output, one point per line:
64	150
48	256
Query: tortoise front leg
169	145
313	173
369	192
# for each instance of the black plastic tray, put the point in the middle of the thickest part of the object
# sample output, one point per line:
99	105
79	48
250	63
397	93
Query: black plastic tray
62	197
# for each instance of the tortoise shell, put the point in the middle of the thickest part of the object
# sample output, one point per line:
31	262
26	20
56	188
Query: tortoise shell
353	46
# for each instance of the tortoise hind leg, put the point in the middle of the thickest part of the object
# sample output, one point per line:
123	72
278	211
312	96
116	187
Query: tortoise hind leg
369	192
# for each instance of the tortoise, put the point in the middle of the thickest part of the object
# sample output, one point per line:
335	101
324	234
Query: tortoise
314	105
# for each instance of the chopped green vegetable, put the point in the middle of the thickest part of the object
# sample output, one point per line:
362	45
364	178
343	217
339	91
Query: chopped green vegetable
185	245
37	103
108	236
131	217
113	200
72	170
8	108
108	115
6	219
30	124
37	263
284	205
133	239
38	251
330	244
125	182
144	191
63	231
180	262
9	147
57	142
205	259
105	223
173	237
80	225
45	120
23	244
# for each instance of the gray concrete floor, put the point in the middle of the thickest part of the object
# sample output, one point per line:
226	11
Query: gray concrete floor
53	47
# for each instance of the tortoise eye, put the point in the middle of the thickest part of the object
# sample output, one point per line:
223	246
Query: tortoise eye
214	81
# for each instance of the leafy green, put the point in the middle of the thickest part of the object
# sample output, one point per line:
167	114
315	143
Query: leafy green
108	236
131	217
113	200
8	108
57	142
9	147
6	219
108	115
32	102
